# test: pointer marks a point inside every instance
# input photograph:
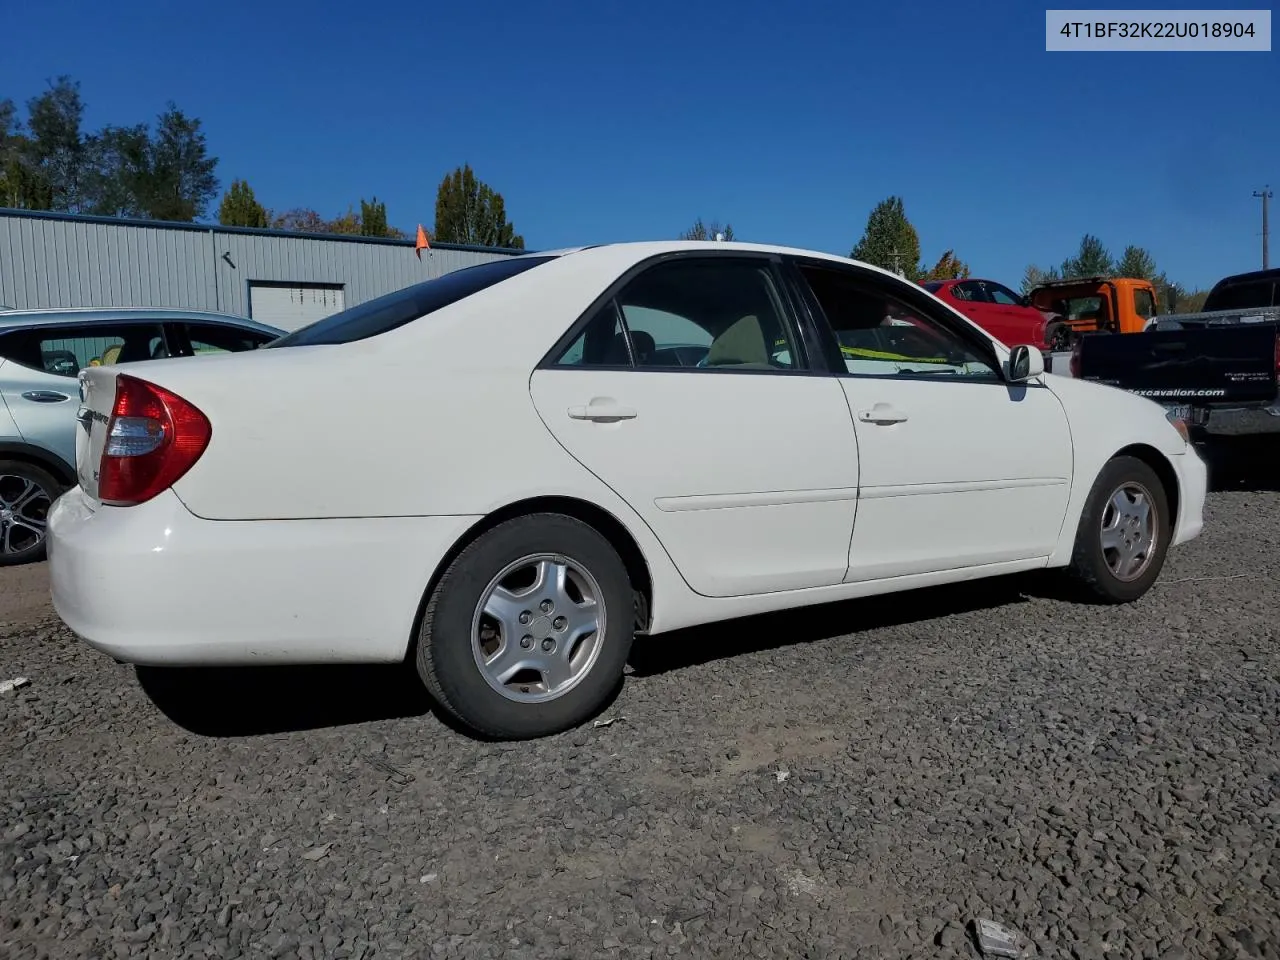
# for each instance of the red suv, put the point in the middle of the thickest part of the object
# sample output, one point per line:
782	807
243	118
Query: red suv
1005	315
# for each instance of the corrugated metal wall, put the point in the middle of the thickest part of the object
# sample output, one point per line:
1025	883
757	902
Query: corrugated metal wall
63	261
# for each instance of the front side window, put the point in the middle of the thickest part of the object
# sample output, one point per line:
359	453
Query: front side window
1144	304
969	291
65	351
693	314
880	335
395	309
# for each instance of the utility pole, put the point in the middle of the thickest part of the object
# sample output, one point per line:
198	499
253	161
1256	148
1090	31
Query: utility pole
1265	194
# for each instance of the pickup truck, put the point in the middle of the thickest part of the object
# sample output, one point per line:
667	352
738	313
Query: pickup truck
1225	358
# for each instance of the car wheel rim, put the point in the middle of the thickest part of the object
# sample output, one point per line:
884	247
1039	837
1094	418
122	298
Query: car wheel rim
24	511
538	628
1129	532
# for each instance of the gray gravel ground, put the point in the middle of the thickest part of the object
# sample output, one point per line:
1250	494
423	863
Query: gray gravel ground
860	781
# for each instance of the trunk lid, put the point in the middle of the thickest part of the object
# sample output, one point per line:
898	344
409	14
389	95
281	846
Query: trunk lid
97	396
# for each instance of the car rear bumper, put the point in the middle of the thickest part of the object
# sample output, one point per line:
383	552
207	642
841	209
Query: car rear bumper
155	585
1193	485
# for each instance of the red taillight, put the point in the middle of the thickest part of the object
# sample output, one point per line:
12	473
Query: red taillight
153	438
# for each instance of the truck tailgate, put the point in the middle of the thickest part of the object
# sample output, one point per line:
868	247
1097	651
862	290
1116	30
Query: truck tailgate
1216	365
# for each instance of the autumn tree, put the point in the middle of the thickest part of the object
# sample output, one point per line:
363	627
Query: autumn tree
890	241
470	211
704	231
948	267
240	208
300	220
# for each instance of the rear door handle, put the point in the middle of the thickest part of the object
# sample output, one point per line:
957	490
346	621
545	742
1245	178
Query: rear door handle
602	410
45	396
882	414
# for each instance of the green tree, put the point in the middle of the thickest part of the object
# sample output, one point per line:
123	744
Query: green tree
240	208
948	267
373	218
21	187
181	180
704	231
1034	276
1138	263
470	211
890	241
1092	259
55	151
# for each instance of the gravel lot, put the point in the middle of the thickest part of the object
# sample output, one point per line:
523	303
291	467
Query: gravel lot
860	781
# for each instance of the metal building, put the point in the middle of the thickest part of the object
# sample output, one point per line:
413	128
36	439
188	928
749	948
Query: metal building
278	277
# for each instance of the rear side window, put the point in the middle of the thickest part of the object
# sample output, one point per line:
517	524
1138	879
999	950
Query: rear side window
404	306
65	351
222	338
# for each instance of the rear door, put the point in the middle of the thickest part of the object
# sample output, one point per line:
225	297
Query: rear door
690	392
40	385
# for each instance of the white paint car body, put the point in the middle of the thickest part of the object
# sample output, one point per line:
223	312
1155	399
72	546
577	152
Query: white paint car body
340	480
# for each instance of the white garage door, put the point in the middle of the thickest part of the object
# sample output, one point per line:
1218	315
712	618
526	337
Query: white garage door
293	306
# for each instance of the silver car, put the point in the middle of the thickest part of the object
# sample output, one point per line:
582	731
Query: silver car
41	355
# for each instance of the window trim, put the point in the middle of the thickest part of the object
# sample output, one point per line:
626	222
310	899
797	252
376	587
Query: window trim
917	298
38	328
809	345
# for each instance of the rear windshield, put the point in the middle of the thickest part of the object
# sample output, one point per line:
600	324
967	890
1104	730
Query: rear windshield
1240	296
399	307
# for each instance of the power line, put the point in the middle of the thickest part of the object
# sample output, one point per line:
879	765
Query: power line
1265	194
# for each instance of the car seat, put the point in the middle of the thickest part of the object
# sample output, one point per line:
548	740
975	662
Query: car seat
742	344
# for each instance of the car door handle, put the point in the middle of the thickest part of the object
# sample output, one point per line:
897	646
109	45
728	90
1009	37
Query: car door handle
602	410
882	414
45	396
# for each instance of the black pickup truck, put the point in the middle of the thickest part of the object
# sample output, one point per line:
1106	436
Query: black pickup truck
1224	358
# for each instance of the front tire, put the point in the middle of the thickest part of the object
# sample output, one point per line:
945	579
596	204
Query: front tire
1124	533
27	494
528	631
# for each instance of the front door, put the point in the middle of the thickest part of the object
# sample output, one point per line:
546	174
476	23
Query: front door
958	468
690	394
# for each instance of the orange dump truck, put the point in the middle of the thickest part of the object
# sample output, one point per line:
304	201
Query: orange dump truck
1105	304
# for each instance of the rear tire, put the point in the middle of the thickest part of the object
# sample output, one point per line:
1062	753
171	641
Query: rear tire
27	493
513	658
1058	337
1124	533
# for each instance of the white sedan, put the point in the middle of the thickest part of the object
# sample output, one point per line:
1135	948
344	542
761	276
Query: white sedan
504	474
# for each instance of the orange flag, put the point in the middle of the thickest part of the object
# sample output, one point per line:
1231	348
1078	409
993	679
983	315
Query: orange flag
422	243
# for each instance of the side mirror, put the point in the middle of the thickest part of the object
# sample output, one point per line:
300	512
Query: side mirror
1025	363
1171	298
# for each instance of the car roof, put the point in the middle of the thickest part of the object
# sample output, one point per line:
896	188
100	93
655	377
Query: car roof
44	316
643	249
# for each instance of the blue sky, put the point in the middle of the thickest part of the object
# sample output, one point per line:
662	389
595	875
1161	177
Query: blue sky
604	121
